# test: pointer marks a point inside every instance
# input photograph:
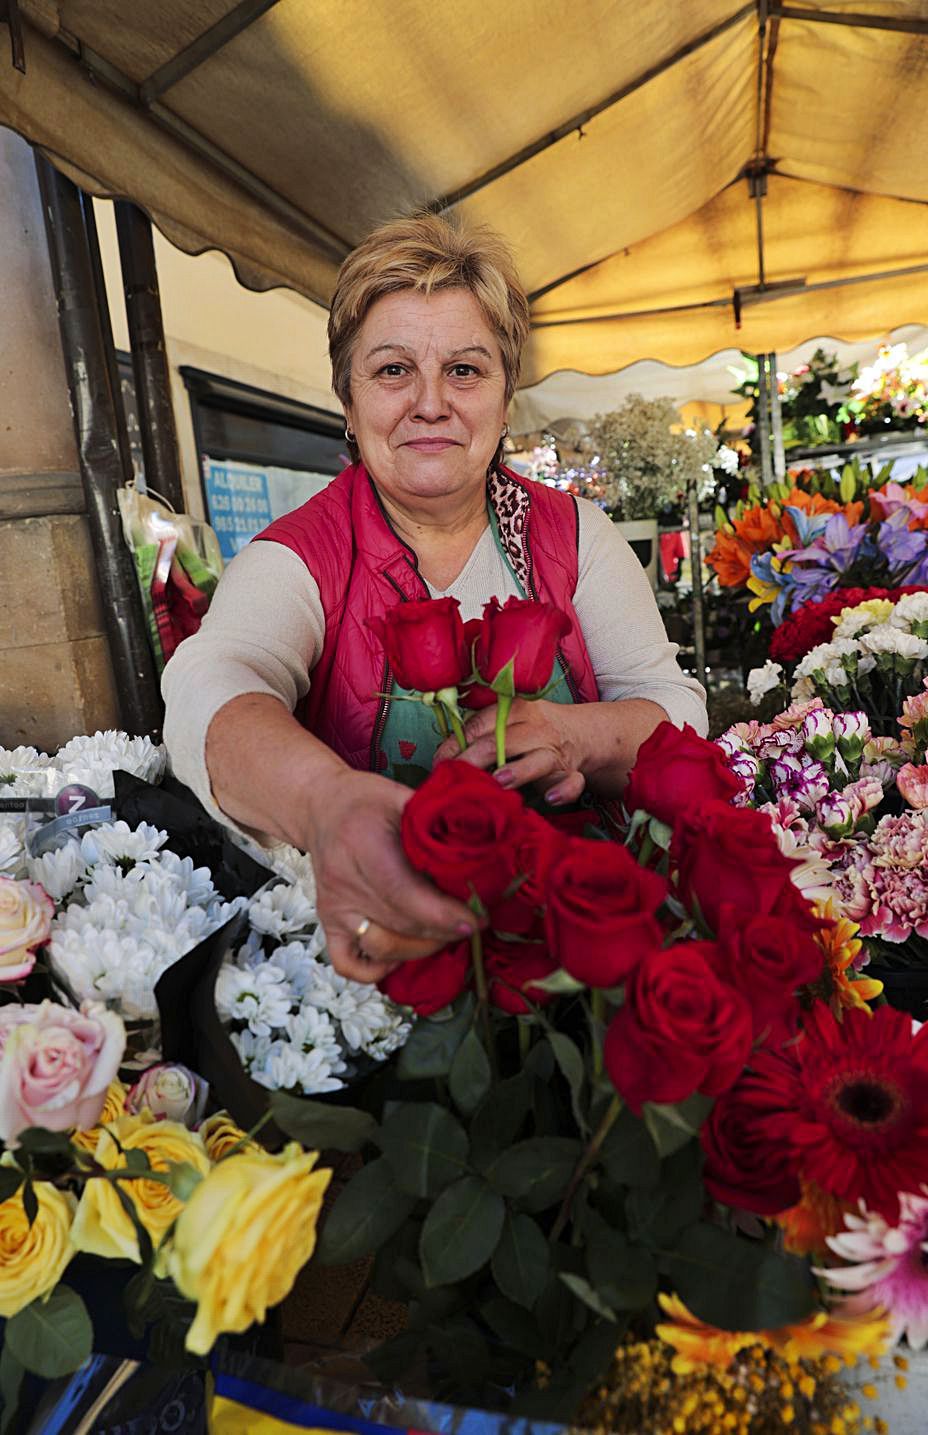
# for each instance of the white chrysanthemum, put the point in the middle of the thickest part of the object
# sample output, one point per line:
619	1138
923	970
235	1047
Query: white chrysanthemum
887	639
24	772
252	1049
287	1069
92	760
763	680
282	911
101	964
911	608
60	871
391	1038
12	845
195	882
117	842
261	997
310	1030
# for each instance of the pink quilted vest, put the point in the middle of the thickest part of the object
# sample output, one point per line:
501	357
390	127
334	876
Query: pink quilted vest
363	568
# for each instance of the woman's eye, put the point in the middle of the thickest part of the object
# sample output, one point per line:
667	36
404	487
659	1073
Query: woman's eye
392	371
464	371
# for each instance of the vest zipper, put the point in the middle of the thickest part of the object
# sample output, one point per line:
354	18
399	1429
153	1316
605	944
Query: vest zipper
533	592
380	721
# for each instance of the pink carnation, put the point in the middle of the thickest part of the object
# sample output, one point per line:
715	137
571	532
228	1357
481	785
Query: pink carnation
795	714
912	782
884	886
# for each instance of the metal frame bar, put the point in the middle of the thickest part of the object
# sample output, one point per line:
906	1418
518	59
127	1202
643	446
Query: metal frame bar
95	426
699	600
324	240
203	48
901	25
576	122
776	418
763	421
149	354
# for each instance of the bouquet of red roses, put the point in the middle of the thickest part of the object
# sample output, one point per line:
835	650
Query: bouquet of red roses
619	1094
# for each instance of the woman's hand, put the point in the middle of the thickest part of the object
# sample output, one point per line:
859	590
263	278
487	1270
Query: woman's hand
562	747
542	746
362	874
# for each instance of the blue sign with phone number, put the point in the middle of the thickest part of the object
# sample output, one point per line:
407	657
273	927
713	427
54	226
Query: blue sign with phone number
239	504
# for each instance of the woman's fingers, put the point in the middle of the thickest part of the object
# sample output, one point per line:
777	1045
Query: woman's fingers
374	955
349	962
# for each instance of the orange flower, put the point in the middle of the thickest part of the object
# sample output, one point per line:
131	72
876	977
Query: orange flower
816	1216
814	503
697	1344
731	559
761	527
841	945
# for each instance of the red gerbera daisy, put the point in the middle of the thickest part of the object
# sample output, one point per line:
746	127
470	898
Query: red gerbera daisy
852	1101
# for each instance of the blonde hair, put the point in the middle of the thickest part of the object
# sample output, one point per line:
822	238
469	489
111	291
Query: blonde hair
425	252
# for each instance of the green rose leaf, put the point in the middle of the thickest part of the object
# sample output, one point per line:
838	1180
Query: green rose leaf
425	1146
470	1074
319	1126
559	983
51	1337
11	1178
536	1172
512	1325
738	1284
366	1214
629	1154
136	1159
498	1121
433	1043
461	1231
624	1275
585	1293
569	1060
521	1261
672	1126
11	1379
37	1141
183	1179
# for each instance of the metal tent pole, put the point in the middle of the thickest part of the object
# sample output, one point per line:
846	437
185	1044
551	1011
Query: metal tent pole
102	473
149	354
776	419
699	603
763	421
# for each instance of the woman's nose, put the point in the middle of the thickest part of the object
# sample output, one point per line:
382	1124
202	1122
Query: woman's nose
430	400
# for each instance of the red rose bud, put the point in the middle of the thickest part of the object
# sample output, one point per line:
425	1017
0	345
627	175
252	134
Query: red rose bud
676	771
681	1029
524	633
538	847
430	983
511	968
601	912
730	855
744	1168
425	644
461	828
767	959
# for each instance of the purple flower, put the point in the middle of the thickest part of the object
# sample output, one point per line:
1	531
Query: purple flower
900	547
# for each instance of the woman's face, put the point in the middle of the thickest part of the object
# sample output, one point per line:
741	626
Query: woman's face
428	394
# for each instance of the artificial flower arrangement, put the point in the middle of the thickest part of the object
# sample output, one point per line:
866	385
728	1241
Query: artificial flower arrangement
633	1086
843	770
789	548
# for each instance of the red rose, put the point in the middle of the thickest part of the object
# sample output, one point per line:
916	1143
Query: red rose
538	846
425	644
676	770
601	912
461	829
516	965
430	983
730	855
681	1029
744	1168
767	958
521	630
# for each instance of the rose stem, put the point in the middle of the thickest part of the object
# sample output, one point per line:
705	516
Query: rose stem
598	1012
525	1039
441	719
503	704
457	727
483	998
585	1162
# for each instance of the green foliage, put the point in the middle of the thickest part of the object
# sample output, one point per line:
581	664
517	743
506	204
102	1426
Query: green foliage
737	1284
426	1148
461	1231
470	1076
321	1127
432	1047
367	1212
51	1337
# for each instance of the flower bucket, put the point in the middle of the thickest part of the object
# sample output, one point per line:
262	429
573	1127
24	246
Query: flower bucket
641	535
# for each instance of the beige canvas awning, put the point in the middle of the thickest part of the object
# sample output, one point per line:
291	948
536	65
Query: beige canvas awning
619	144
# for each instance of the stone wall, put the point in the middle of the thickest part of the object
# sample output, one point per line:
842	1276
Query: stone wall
55	673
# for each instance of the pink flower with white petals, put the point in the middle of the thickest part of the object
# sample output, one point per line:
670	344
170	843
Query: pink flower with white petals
889	1268
912	782
863	795
794	715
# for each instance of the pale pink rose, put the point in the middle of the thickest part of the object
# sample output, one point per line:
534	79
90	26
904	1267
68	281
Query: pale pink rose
912	782
26	912
56	1065
172	1091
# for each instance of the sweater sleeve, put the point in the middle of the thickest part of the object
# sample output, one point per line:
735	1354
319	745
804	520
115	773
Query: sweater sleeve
263	633
622	626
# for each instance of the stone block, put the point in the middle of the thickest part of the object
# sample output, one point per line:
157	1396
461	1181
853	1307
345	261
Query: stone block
50	691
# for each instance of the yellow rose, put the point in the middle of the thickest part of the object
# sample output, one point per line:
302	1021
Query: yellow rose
32	1258
243	1236
113	1107
220	1134
101	1226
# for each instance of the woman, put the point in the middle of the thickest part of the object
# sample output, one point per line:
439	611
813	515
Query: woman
275	710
